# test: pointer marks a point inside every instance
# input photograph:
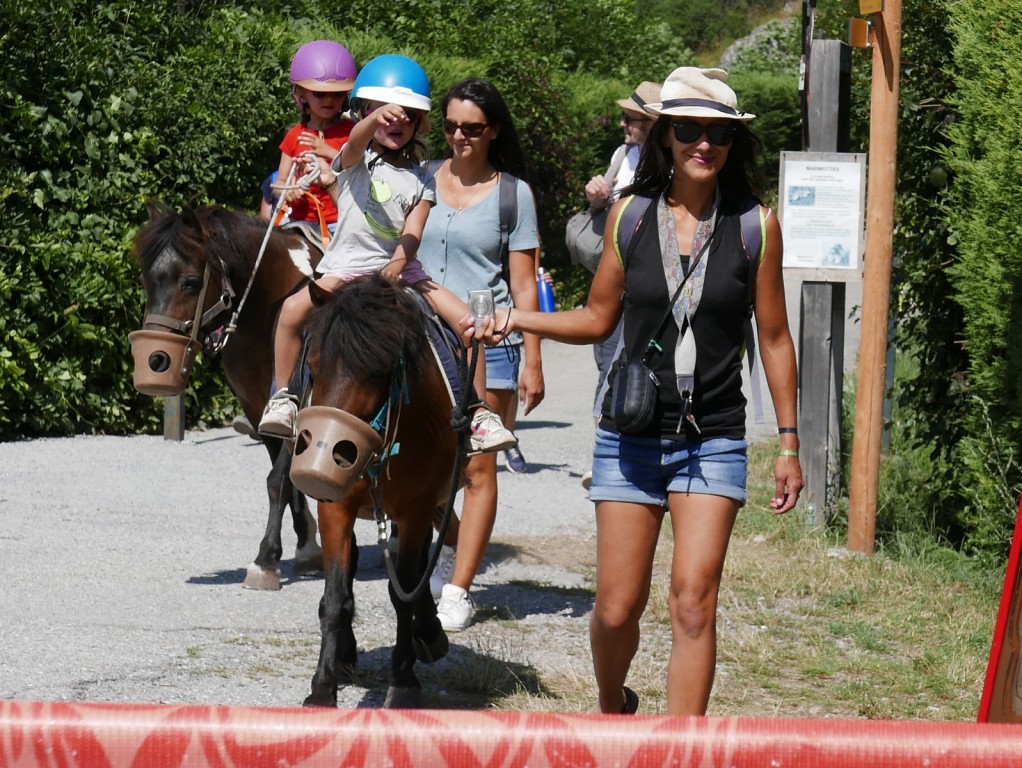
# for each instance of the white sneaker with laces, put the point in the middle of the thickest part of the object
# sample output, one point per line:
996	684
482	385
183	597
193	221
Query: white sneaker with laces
489	433
443	571
279	416
455	609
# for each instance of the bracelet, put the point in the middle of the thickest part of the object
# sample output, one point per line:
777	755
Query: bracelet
787	430
789	452
331	185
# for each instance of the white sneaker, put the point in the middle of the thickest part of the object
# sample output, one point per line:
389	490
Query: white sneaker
279	416
455	609
443	571
489	433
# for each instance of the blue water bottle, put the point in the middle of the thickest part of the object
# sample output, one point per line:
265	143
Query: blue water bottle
546	293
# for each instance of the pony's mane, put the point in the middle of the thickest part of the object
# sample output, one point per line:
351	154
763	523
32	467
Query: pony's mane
365	326
191	232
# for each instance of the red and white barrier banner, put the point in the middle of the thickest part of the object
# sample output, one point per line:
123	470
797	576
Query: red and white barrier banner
1001	701
59	735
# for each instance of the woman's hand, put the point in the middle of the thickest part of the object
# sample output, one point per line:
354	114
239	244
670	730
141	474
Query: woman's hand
788	484
531	387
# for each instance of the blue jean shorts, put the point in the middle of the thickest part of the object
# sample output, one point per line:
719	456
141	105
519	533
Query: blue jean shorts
502	363
644	470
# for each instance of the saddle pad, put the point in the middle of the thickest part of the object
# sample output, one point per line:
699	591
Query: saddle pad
446	346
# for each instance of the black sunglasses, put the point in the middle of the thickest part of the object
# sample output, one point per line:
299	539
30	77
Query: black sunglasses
719	134
327	94
629	119
468	130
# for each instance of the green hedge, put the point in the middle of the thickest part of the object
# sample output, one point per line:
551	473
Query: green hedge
984	218
112	104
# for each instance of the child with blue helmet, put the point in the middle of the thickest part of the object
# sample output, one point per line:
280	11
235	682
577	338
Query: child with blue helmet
377	183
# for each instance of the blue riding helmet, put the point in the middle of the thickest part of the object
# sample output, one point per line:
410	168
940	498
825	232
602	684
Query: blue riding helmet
392	79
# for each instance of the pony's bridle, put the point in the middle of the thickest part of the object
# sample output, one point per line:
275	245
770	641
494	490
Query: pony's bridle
196	328
164	358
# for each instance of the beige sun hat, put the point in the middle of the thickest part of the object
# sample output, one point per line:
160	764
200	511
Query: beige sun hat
695	92
645	93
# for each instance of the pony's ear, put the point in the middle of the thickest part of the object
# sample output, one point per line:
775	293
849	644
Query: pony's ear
319	295
157	209
189	218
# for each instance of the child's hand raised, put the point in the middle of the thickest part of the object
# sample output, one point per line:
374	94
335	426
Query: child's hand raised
388	115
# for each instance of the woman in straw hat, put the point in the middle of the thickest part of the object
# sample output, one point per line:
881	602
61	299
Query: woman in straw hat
693	183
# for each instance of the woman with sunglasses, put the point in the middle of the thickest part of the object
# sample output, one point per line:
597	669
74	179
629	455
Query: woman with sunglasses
693	180
322	74
461	249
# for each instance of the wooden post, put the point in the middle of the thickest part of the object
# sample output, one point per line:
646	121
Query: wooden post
174	418
876	290
821	336
821	360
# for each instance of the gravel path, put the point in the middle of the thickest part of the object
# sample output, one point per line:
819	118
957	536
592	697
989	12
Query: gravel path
123	559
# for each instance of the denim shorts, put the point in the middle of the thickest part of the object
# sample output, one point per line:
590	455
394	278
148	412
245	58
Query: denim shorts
502	363
644	470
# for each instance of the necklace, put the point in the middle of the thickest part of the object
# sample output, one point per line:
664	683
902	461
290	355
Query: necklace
477	188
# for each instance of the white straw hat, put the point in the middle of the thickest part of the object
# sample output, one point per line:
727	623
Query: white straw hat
695	92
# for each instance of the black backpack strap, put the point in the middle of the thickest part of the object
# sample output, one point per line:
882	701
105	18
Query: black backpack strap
753	221
508	203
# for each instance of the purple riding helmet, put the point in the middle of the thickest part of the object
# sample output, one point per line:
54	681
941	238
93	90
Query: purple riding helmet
322	65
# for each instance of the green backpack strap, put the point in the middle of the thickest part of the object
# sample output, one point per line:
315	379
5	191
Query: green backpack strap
508	207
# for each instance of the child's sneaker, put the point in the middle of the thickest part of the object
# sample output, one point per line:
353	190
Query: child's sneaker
455	609
489	433
279	416
514	460
443	571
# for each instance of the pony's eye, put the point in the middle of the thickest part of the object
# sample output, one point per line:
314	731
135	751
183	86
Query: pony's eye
191	285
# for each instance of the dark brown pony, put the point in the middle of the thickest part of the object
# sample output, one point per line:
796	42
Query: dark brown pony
370	359
210	252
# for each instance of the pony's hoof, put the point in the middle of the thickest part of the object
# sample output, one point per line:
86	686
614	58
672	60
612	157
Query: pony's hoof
429	653
320	700
403	698
262	578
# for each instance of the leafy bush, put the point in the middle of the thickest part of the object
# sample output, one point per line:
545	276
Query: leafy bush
97	124
985	196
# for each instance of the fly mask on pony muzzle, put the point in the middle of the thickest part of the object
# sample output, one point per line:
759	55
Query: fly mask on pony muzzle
163	361
332	450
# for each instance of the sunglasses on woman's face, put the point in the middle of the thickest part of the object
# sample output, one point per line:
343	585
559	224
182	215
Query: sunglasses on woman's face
719	134
326	94
468	130
629	119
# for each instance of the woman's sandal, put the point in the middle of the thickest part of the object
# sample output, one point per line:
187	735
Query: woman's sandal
631	705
